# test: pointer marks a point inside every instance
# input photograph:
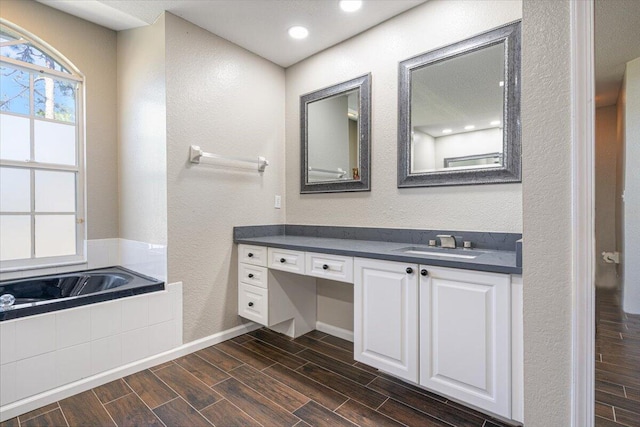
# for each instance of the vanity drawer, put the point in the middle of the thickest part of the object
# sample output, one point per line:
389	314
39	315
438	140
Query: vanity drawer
286	260
255	255
253	303
253	275
333	267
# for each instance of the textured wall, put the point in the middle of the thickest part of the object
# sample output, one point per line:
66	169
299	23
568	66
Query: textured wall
606	194
434	24
631	292
142	134
230	102
478	207
546	143
92	49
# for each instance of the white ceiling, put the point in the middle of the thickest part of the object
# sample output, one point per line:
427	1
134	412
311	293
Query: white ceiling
260	26
257	25
617	40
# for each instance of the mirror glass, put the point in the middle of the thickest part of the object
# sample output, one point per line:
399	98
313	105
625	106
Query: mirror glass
332	127
335	138
456	112
459	113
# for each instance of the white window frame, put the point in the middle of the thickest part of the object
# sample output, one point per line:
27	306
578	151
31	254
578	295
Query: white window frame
79	169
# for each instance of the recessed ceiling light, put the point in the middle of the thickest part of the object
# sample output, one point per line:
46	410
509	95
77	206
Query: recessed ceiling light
446	130
298	32
495	123
470	127
350	5
501	84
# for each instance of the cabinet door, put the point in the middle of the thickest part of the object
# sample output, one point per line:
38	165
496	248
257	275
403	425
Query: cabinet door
465	345
255	255
253	303
332	267
253	275
386	316
286	260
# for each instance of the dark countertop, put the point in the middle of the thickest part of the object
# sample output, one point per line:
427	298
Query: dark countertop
497	261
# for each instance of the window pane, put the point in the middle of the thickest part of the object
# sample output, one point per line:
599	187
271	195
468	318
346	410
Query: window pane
54	99
54	143
15	190
15	237
25	52
14	138
55	235
55	191
14	90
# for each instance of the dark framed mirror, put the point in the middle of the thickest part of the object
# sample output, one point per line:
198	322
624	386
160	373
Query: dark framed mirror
459	113
335	125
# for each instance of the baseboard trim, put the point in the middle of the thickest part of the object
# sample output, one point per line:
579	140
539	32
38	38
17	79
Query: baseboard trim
36	401
345	334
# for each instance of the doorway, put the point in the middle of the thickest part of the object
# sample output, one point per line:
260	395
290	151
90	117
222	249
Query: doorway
617	189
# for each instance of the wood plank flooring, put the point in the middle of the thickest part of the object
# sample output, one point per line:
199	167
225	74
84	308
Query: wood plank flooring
266	379
617	363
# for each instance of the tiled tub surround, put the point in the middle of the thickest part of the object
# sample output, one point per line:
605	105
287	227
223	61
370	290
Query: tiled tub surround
145	258
498	250
44	357
44	294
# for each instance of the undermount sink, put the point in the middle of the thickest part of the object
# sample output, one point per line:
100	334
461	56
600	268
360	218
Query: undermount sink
436	252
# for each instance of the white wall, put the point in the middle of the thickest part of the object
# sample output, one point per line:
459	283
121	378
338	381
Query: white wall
468	144
423	155
631	251
606	146
328	136
434	24
431	25
230	102
546	150
620	162
92	49
142	134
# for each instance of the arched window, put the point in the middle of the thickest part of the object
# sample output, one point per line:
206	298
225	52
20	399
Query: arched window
41	155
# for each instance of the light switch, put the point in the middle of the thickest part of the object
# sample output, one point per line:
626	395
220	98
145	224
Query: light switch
278	202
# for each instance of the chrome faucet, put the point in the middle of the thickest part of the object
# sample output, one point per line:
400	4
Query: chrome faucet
447	241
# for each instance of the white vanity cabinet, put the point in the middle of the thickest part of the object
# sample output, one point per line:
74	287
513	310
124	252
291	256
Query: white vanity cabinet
453	331
386	316
332	267
285	303
286	260
253	255
465	336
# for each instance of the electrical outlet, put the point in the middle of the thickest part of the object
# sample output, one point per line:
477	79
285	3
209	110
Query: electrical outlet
278	202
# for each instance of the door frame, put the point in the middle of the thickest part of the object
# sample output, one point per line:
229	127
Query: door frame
583	212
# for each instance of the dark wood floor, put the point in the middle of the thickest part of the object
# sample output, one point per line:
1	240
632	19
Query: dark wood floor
261	378
617	363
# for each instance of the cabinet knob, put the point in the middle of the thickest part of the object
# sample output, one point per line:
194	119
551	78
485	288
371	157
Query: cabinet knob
409	270
325	267
282	260
250	275
424	272
250	255
250	304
